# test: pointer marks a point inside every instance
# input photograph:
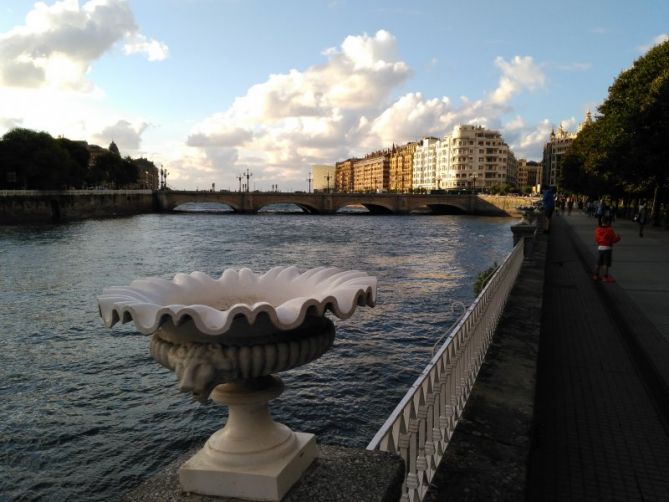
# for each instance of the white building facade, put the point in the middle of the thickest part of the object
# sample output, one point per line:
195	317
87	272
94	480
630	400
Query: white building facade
470	157
425	164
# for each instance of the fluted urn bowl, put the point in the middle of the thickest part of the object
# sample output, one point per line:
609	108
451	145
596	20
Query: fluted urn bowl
227	338
241	325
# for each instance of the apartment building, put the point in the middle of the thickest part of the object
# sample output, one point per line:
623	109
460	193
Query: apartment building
425	164
323	178
343	181
470	157
401	168
529	174
372	173
554	151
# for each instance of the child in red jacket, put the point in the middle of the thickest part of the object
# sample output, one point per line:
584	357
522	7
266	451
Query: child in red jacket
605	237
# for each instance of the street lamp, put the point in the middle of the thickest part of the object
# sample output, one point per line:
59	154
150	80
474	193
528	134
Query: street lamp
248	175
309	179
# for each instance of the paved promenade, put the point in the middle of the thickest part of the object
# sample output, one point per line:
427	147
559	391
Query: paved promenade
600	430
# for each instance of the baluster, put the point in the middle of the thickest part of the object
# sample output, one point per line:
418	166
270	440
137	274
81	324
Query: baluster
403	444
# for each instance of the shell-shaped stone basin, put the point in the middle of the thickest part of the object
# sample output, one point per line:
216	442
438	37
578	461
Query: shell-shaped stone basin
240	307
240	326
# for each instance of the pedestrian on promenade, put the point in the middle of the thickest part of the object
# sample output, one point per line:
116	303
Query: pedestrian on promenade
605	238
570	204
641	217
548	202
600	211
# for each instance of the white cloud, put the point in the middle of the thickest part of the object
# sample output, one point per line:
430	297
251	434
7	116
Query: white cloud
412	117
659	39
57	44
155	50
301	117
7	123
126	135
527	141
518	74
344	107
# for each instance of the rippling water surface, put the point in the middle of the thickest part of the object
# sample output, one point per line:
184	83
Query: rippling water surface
86	414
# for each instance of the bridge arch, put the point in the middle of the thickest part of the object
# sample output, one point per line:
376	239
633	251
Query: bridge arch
182	199
305	207
204	206
441	208
376	207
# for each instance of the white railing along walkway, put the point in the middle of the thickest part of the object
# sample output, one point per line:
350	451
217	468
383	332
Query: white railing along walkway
421	426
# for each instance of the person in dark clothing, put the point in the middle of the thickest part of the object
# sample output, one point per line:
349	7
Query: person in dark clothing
548	203
641	217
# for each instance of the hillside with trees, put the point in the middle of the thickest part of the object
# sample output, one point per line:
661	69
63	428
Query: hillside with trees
31	160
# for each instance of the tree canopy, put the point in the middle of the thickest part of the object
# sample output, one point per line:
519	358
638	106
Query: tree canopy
625	150
37	161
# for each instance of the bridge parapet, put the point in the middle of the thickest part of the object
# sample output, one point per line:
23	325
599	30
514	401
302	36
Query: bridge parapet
319	203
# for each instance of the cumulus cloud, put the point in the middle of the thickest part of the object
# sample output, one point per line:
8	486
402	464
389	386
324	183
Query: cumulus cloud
8	123
126	135
57	44
527	141
154	50
344	107
412	116
298	117
659	39
518	74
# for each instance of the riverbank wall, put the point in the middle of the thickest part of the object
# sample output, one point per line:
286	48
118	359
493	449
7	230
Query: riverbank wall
54	206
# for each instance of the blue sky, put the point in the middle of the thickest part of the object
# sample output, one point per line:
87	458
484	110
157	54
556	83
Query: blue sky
210	88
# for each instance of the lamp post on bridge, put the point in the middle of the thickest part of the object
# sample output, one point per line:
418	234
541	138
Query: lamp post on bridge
327	177
240	182
309	179
248	175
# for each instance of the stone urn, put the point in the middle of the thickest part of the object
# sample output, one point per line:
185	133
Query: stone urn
226	339
529	214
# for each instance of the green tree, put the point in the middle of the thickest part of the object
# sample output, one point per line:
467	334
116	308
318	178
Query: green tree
77	168
625	151
110	169
35	159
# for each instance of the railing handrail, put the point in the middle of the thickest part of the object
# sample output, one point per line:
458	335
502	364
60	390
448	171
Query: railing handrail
420	426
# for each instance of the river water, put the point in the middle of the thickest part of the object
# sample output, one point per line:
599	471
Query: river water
86	414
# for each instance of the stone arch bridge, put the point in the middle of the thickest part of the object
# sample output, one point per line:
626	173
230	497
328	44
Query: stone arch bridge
323	203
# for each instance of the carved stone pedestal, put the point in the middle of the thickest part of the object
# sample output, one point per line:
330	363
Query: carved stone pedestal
252	457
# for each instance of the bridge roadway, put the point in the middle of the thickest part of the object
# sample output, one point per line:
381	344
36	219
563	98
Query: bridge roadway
330	203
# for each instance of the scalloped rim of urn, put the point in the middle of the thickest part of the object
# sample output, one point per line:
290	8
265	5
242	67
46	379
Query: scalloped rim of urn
328	289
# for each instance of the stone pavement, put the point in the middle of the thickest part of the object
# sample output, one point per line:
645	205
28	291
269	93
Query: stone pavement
600	428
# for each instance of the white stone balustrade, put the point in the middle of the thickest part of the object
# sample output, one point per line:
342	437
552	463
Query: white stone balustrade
421	426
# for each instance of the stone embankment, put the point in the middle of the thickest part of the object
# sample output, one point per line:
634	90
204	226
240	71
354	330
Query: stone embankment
52	206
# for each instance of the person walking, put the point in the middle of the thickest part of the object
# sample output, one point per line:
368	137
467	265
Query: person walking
605	238
641	217
548	203
600	211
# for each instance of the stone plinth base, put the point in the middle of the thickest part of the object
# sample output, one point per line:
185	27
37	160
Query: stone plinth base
337	474
269	482
524	231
